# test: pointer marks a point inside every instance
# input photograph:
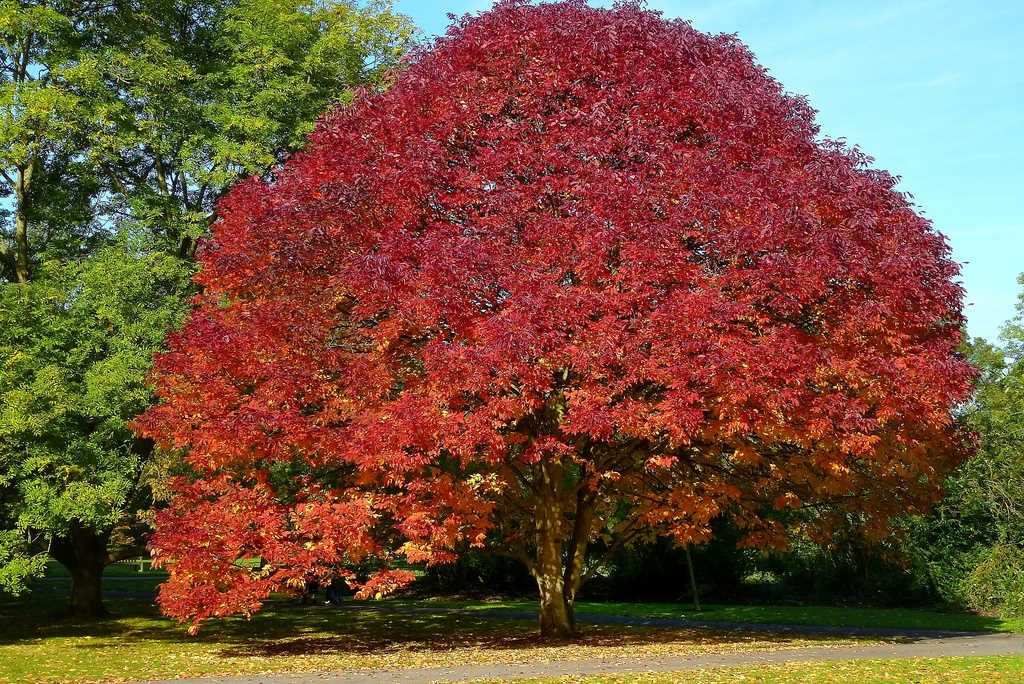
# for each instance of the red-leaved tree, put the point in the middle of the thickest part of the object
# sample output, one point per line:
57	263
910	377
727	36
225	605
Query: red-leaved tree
577	273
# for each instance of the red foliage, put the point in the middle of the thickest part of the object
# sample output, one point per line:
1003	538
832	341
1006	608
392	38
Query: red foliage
572	260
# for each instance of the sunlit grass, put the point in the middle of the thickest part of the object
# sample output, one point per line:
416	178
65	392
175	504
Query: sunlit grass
138	643
917	670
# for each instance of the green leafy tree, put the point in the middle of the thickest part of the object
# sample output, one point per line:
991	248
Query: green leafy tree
993	484
221	90
122	124
42	120
76	347
981	520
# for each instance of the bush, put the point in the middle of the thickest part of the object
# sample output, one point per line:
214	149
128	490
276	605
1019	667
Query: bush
478	573
656	570
997	584
846	573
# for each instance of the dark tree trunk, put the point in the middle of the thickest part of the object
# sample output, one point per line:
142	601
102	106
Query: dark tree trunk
693	578
86	593
84	554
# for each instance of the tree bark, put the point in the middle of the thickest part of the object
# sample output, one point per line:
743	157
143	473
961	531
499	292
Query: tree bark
693	578
556	604
84	554
578	543
557	615
86	591
557	619
21	224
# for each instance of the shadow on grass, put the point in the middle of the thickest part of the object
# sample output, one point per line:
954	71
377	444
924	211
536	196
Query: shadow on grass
285	629
120	591
367	630
936	618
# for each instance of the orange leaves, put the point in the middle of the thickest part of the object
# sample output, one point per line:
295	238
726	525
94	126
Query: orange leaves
690	534
384	583
744	454
417	553
786	500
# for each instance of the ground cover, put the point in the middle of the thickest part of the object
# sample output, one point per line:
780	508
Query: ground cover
918	670
138	643
837	616
127	578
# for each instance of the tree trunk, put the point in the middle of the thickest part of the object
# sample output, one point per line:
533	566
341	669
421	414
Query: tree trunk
557	619
84	554
86	591
21	246
21	224
693	578
556	604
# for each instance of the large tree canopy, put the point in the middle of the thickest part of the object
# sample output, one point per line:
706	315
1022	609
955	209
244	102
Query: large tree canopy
579	273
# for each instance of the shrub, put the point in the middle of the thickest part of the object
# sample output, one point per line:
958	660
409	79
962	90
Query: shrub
996	585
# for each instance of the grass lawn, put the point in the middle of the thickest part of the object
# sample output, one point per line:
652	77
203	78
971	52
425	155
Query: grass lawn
919	670
898	618
125	578
55	569
138	643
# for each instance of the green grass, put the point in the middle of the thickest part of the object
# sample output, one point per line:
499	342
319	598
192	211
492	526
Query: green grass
138	643
54	569
120	579
896	618
128	578
918	670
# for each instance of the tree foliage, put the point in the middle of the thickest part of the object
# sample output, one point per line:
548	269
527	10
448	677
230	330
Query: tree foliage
578	274
42	119
121	123
77	345
146	110
213	91
976	534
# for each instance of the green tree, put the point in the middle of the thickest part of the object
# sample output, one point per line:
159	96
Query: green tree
993	483
42	116
217	90
122	124
77	344
982	517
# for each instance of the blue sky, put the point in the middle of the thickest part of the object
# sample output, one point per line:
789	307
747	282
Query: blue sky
932	89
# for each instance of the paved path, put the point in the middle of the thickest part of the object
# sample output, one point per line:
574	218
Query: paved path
992	644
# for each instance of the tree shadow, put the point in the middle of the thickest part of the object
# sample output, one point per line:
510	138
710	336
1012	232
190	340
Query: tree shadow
367	630
285	629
